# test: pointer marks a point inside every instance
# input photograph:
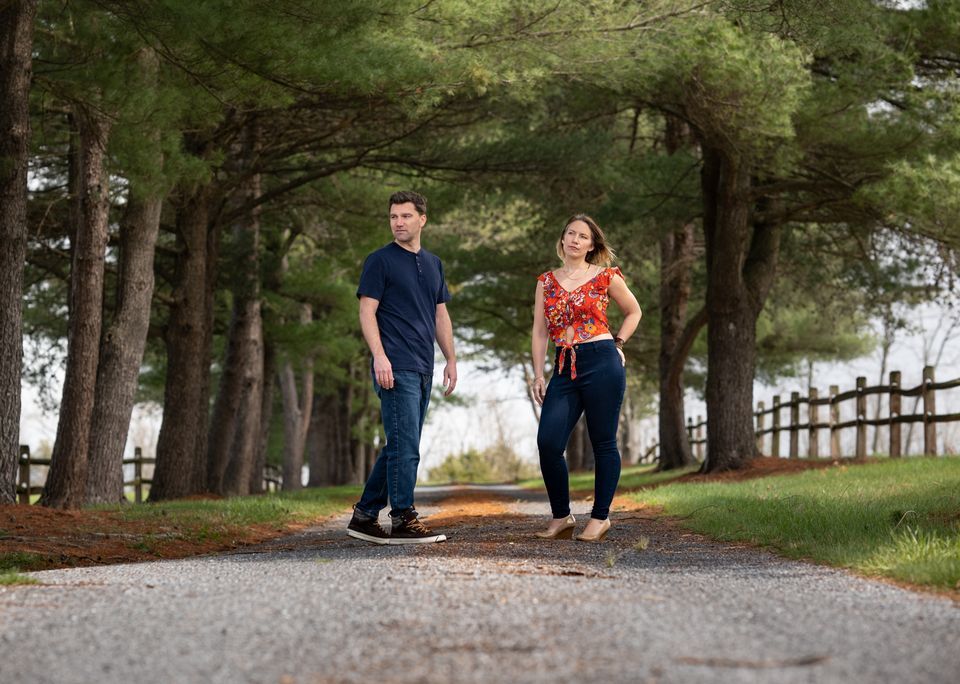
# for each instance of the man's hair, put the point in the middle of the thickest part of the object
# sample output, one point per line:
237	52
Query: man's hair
404	196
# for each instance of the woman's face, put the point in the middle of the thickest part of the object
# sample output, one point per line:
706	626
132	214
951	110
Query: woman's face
577	240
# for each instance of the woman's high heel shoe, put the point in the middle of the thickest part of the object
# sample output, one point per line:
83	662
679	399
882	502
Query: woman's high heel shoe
565	531
604	528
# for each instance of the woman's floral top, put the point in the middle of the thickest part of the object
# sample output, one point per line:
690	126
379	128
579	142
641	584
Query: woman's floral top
584	309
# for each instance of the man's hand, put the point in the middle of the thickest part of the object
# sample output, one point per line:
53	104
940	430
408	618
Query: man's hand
383	371
449	377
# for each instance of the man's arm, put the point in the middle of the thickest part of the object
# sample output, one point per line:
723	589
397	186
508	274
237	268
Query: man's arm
382	369
445	340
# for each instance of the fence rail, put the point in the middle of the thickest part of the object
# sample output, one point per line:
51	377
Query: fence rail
272	476
929	418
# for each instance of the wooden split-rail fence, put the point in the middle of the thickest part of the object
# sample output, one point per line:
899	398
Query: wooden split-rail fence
830	419
272	477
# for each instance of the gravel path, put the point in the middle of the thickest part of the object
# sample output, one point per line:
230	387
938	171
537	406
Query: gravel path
489	605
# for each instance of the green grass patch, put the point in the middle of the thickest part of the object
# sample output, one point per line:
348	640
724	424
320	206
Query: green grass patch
215	519
895	518
21	560
631	477
11	577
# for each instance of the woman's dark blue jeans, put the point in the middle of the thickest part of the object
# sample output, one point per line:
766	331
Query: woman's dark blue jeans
598	392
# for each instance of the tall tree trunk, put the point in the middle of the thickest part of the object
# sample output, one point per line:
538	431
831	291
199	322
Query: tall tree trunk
889	334
676	258
266	417
232	444
320	441
124	340
67	479
676	274
296	417
741	261
247	439
121	350
181	444
235	426
16	41
346	471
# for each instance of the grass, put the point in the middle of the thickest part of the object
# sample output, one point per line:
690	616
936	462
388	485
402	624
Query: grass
20	560
11	577
216	519
631	477
12	563
894	518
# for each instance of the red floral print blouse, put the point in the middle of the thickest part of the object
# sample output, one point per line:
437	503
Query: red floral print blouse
584	309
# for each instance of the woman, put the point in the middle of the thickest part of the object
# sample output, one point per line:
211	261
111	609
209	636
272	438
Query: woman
571	306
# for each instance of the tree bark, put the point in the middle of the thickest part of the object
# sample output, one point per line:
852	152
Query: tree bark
124	340
121	350
67	479
676	257
266	418
741	262
346	472
319	440
16	41
247	439
296	415
235	426
181	445
232	438
676	266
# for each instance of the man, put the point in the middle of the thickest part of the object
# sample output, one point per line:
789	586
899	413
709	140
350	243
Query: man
403	308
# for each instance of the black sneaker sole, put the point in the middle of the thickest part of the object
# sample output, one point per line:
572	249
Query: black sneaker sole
432	539
368	537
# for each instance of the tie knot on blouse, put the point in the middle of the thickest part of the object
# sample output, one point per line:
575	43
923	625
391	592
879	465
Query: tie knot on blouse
583	309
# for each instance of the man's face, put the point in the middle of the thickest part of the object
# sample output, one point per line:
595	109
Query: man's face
405	222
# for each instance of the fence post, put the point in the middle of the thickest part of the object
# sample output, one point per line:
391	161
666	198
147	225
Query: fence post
700	438
929	413
813	417
24	496
794	425
861	419
834	421
690	429
894	428
137	474
760	426
775	444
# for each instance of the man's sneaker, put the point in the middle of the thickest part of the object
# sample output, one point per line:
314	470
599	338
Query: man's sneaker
367	528
407	529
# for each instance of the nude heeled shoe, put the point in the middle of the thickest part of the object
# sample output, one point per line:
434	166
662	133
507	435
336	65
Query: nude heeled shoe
565	531
604	528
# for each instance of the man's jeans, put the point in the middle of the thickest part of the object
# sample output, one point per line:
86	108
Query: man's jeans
394	475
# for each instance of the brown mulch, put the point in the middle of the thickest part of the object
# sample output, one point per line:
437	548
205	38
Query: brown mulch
58	539
766	466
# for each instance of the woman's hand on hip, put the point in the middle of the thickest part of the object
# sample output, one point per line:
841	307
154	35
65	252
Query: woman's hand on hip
623	359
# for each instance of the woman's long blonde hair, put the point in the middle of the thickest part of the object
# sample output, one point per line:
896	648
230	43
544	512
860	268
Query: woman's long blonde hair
601	254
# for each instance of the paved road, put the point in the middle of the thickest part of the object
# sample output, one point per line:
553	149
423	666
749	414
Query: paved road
489	605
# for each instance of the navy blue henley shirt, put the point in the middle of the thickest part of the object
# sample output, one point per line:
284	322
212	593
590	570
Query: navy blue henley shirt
408	286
